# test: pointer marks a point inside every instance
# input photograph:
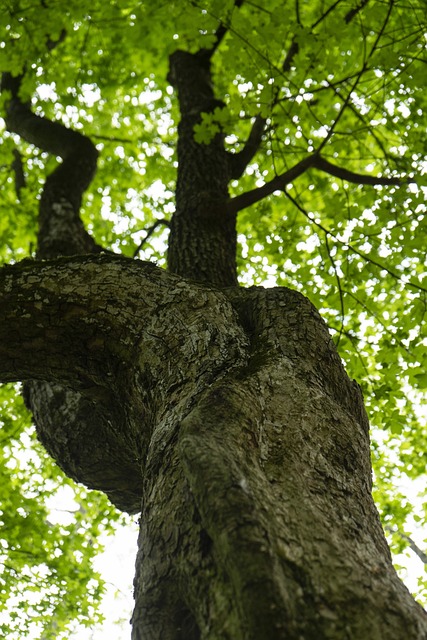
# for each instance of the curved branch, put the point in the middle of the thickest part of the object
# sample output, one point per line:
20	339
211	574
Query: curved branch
76	404
61	231
411	543
315	161
358	178
239	161
149	233
45	307
62	328
278	183
49	136
113	338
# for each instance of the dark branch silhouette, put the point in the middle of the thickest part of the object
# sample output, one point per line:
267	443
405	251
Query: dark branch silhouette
149	233
411	543
222	30
278	183
18	170
240	161
64	187
357	178
315	161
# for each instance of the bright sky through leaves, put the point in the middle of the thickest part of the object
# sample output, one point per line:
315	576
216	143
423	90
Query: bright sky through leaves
353	88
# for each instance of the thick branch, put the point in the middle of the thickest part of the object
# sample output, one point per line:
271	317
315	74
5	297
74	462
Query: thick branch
49	136
46	307
69	326
61	231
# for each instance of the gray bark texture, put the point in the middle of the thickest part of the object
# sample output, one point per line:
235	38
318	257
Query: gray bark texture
229	416
222	414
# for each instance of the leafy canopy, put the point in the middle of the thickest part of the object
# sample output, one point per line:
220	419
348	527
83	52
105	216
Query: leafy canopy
344	77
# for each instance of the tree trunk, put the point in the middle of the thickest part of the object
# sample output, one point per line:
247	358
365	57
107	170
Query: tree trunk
252	445
202	243
226	414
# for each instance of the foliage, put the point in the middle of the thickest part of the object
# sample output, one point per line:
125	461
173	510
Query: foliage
46	554
345	78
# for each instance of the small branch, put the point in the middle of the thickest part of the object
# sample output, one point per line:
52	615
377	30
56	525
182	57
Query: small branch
255	137
341	294
353	12
294	48
292	52
239	161
18	169
359	116
278	183
297	12
362	255
359	76
394	339
112	139
413	545
149	233
222	30
325	14
358	178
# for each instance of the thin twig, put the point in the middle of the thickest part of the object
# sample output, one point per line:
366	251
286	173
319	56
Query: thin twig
412	544
364	257
338	279
149	233
358	77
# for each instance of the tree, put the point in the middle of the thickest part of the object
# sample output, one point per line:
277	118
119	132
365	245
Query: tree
223	412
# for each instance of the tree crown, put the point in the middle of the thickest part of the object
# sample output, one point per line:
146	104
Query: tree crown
322	109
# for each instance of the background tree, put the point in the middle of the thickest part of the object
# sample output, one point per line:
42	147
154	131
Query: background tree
287	136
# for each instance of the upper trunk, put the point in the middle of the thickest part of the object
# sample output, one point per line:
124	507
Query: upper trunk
202	243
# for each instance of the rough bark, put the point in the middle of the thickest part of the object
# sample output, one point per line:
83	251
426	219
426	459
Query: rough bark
202	225
251	442
62	414
282	432
225	413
